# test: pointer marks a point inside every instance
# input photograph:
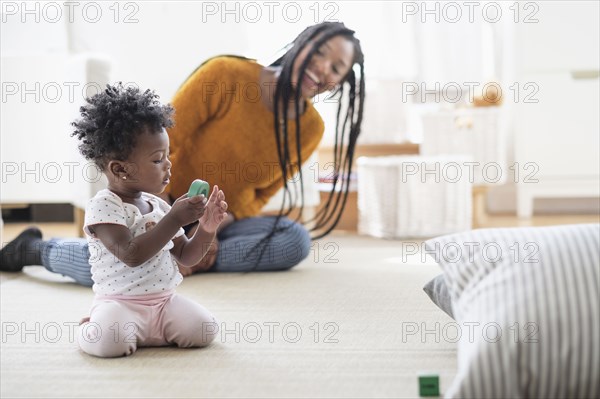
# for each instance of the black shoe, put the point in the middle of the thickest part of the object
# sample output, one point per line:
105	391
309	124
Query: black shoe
22	251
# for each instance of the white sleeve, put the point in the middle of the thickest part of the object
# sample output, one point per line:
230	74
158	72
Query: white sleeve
104	208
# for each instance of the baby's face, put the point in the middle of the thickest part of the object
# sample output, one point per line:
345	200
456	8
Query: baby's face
148	165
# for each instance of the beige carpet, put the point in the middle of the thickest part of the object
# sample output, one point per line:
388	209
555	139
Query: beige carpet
350	301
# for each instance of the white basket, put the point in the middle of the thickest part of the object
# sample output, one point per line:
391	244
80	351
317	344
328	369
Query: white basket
475	132
413	196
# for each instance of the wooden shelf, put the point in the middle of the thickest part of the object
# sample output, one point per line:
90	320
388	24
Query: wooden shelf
325	153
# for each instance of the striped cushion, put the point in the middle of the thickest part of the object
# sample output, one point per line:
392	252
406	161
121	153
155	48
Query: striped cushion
526	302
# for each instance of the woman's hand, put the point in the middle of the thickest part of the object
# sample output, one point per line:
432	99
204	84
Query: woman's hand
215	211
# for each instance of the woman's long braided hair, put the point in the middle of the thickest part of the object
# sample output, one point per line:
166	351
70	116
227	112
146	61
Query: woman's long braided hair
350	94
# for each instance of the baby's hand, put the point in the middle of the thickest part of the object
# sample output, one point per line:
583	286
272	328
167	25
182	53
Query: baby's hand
215	212
186	210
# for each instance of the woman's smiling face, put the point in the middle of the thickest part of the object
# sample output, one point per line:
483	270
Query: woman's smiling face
327	68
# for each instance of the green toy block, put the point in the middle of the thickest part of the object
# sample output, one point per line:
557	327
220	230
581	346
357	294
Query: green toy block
429	385
199	187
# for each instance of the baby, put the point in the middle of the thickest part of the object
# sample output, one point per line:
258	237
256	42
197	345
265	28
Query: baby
134	236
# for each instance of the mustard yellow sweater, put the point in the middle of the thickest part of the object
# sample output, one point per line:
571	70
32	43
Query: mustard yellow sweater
224	134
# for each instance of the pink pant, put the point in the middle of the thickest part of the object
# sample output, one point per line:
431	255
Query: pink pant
119	324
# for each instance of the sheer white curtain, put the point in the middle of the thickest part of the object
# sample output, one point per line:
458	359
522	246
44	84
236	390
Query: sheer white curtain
400	50
390	59
169	39
455	60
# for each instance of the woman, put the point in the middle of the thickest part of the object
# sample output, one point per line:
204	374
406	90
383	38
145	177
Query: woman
233	115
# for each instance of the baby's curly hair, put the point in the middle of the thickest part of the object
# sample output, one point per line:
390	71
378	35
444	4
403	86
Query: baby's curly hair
111	121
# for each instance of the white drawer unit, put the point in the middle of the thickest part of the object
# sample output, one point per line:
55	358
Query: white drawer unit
557	129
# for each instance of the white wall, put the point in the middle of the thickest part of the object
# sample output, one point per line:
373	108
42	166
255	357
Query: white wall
158	44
